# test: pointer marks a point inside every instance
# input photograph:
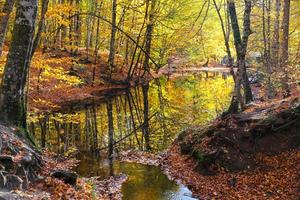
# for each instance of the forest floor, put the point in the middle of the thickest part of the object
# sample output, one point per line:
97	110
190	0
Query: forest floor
252	155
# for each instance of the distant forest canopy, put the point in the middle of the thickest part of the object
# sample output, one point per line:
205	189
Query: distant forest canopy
189	28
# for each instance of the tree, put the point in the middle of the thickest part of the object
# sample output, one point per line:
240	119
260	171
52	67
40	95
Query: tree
40	26
7	9
226	35
111	57
285	45
145	87
266	29
149	30
275	46
241	44
13	86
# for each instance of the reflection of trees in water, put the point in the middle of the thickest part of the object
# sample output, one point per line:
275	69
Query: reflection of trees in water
118	122
110	128
140	118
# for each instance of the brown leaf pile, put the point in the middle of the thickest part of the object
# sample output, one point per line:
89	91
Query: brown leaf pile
275	177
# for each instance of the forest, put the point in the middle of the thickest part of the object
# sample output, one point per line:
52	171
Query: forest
149	99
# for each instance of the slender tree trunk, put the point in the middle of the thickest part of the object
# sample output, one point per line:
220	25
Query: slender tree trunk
130	73
226	39
43	126
149	30
7	9
267	45
77	27
237	97
71	29
13	87
32	128
241	49
285	46
246	33
275	46
97	46
111	58
41	25
63	30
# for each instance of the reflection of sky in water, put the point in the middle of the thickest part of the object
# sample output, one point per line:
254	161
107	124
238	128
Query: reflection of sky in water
149	183
144	182
181	194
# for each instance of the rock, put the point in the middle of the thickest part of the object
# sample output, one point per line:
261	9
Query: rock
232	182
13	182
2	180
7	162
67	176
10	196
78	69
185	148
205	170
27	161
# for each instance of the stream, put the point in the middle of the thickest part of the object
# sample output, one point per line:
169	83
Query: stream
118	123
144	182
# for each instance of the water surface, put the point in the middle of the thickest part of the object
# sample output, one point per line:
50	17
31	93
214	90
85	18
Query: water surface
144	182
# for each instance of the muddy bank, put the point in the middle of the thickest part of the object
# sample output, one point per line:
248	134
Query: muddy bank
251	155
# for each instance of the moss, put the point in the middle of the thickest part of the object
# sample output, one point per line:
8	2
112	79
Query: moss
199	156
24	133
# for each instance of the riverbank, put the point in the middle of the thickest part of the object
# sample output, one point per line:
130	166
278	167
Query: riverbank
251	155
254	154
30	173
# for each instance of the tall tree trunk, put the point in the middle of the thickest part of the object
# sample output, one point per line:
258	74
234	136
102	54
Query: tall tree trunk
275	46
241	50
77	27
14	81
226	35
63	30
246	33
285	46
149	30
145	86
43	126
111	57
41	25
267	45
7	9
